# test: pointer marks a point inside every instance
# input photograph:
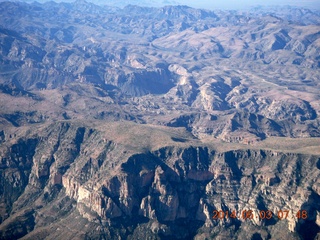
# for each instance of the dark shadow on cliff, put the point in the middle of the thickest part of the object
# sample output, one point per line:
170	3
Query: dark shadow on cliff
308	229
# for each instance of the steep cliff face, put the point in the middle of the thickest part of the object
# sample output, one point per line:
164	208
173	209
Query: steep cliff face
71	173
16	165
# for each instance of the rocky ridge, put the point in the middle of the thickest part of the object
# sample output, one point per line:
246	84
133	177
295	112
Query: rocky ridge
171	190
139	122
252	73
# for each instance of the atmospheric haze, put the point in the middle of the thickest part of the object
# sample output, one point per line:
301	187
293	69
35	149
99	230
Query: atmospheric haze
235	4
211	5
126	122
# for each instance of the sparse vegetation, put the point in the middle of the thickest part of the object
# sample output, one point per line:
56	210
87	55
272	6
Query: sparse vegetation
138	123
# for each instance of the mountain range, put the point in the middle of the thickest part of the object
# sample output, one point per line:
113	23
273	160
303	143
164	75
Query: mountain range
138	122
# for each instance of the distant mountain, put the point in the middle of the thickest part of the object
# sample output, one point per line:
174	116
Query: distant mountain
151	3
139	122
121	3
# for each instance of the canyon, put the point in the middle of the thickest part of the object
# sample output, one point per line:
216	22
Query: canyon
141	122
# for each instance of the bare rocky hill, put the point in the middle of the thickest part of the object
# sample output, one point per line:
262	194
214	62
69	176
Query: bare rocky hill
232	73
139	122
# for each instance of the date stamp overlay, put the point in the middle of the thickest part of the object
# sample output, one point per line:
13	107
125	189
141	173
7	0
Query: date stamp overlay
261	215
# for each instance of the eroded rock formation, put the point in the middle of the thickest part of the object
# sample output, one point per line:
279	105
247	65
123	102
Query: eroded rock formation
173	191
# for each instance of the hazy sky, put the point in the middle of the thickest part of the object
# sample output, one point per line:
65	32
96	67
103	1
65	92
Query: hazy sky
207	4
232	4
